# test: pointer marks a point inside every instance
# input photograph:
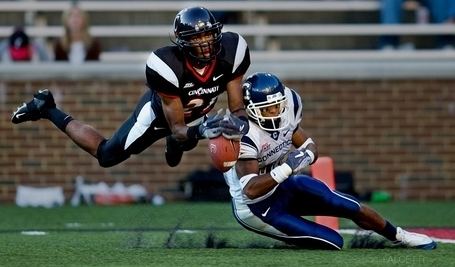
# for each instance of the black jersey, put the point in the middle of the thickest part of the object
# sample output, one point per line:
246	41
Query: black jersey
169	74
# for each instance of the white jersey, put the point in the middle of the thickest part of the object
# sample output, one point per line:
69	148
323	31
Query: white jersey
268	148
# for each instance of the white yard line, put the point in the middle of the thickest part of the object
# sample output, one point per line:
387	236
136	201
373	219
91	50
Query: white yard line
33	233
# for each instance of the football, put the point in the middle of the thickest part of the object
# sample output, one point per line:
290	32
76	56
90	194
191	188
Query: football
223	152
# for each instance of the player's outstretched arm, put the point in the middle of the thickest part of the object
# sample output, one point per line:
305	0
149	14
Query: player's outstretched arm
173	111
235	97
238	122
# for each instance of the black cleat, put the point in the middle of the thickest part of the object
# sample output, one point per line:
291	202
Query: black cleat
35	109
173	152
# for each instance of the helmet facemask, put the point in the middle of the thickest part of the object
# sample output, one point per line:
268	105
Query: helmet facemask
201	45
270	122
264	97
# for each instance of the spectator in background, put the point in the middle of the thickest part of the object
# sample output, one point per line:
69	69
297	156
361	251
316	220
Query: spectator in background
19	47
451	12
439	11
390	13
77	45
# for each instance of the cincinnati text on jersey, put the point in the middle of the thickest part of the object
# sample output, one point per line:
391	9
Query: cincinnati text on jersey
202	91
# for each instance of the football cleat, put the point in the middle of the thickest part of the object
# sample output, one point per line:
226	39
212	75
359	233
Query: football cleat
173	152
35	109
414	240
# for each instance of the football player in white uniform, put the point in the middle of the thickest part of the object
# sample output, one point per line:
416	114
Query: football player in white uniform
270	196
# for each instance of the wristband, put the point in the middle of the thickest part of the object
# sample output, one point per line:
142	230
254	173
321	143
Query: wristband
281	173
311	155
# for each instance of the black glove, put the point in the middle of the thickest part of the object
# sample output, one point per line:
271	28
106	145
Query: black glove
234	127
298	160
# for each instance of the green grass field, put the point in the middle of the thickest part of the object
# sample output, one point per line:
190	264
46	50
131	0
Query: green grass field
193	234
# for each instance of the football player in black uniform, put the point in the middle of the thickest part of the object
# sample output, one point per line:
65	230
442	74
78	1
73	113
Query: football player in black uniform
185	81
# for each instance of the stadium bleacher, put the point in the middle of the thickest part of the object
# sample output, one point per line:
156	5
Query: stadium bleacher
289	32
268	25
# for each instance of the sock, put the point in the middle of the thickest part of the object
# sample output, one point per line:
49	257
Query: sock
389	231
59	118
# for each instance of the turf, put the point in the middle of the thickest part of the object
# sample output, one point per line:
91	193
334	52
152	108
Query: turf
193	234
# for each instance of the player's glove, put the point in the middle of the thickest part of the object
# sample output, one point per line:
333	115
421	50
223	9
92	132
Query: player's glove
308	158
210	128
298	158
296	161
234	127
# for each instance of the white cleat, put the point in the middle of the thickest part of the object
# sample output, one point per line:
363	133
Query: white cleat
414	240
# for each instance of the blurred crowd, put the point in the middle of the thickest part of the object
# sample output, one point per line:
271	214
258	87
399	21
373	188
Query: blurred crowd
76	45
426	11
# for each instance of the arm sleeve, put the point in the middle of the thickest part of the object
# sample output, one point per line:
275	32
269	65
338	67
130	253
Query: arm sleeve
160	77
236	54
248	149
296	108
242	58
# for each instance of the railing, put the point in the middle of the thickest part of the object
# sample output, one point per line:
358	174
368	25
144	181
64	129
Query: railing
155	6
253	30
298	65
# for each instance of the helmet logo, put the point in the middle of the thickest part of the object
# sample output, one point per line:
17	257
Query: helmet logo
201	25
274	96
246	88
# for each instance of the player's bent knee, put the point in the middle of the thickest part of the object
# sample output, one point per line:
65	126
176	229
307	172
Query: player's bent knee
105	164
108	157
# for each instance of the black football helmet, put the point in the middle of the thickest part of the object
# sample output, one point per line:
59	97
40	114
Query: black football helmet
262	91
198	34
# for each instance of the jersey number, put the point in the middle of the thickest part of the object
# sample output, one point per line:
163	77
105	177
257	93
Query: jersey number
199	103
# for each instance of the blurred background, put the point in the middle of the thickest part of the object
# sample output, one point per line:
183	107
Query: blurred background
377	81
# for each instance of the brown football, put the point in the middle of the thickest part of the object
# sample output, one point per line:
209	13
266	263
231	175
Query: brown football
224	152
